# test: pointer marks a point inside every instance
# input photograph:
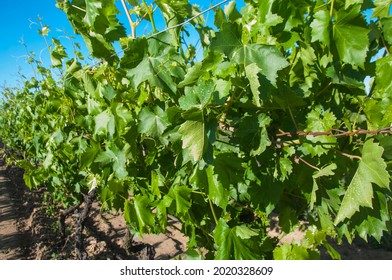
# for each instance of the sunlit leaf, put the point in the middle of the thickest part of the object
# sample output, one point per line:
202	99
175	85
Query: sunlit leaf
371	169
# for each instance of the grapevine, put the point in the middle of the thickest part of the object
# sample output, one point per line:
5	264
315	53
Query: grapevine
274	118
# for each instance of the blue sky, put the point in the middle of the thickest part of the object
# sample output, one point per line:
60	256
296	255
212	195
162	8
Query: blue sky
17	15
20	16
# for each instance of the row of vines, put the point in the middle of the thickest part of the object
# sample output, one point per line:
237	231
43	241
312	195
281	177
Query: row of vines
288	111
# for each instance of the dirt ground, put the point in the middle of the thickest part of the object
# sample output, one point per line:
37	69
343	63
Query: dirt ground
27	232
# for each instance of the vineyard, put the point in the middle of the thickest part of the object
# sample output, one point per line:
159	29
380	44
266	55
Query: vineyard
281	108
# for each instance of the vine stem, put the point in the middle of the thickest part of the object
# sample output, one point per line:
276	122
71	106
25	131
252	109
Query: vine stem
151	17
348	155
330	133
331	11
79	246
213	211
131	23
63	216
78	8
297	158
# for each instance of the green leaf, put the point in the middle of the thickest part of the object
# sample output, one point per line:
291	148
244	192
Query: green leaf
57	54
352	43
209	63
48	160
384	76
267	17
107	91
319	120
374	222
382	8
162	211
217	192
285	168
174	11
352	2
320	27
101	17
235	243
371	169
89	155
324	172
252	132
98	25
227	39
137	211
116	158
158	66
193	133
231	12
123	117
134	49
197	96
153	123
252	71
295	252
228	167
387	29
245	232
156	182
115	186
104	123
182	196
267	58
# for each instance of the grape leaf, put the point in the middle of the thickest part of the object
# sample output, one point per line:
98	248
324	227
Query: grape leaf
252	132
48	160
387	29
154	69
252	71
153	123
320	27
217	192
235	243
319	120
352	43
197	96
200	68
107	91
267	17
104	123
193	133
227	39
116	158
228	167
371	169
379	108
89	155
326	171
352	2
57	54
382	8
374	222
122	116
295	252
267	58
101	17
138	211
181	195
